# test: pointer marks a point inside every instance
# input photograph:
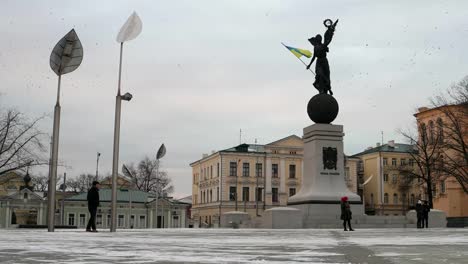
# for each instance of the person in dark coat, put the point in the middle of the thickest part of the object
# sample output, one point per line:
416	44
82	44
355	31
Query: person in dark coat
425	214
346	213
419	214
93	203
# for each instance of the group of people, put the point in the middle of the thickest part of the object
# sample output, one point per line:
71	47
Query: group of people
422	214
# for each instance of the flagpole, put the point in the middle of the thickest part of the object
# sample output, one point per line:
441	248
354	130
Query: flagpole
299	59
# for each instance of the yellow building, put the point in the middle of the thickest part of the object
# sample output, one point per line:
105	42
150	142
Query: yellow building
247	178
384	191
447	191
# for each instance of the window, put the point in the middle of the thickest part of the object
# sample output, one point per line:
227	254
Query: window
121	220
292	171
393	162
412	199
442	187
385	199
395	198
142	222
71	219
431	132
99	220
108	220
385	177
274	170
82	221
259	194
217	170
394	178
245	194
440	130
211	172
403	162
274	195
25	196
245	169
434	189
132	221
232	169
258	169
211	196
292	152
411	162
232	193
292	191
385	161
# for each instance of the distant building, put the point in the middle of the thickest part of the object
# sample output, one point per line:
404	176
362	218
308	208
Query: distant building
447	191
384	191
248	178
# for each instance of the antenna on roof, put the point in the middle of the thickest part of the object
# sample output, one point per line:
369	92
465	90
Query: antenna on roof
382	137
240	136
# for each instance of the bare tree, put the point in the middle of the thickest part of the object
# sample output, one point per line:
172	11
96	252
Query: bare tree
425	157
20	142
82	183
41	182
453	107
148	177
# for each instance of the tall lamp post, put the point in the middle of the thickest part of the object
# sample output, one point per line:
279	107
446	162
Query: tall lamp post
65	57
159	155
130	30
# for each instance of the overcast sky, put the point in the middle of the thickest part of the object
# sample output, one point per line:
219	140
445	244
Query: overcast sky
202	70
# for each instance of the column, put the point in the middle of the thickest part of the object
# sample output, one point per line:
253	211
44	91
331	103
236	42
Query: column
283	175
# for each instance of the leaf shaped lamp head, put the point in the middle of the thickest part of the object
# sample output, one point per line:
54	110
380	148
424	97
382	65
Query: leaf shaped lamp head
67	54
161	152
131	29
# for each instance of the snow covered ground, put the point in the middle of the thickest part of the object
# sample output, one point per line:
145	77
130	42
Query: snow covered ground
236	246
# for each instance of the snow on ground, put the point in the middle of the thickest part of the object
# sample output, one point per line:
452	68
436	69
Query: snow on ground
235	246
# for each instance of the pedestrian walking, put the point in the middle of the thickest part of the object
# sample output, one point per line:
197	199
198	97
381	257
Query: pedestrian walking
346	213
93	203
419	214
426	210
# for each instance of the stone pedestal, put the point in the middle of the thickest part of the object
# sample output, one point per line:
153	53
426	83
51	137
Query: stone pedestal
235	219
323	182
282	218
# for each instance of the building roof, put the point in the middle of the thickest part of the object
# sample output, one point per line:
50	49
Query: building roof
122	196
398	148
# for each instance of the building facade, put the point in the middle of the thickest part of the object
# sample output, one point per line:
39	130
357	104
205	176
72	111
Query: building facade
384	191
448	194
248	178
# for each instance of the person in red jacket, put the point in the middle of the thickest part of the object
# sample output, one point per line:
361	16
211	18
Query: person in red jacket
346	213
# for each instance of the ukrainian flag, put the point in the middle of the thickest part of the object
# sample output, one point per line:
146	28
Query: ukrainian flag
299	52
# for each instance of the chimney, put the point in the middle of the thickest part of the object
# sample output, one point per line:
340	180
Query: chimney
377	144
213	151
368	148
391	143
204	155
422	109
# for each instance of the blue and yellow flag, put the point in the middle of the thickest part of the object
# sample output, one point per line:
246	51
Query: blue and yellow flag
299	52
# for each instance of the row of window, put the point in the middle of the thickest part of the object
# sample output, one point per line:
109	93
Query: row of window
207	196
258	194
83	220
433	138
259	170
412	200
402	162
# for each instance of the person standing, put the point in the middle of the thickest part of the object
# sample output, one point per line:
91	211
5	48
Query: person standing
419	214
346	213
93	203
425	214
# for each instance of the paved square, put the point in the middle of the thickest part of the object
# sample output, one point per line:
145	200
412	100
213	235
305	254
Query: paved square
236	246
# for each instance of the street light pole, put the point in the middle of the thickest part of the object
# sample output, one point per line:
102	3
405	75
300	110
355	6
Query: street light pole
65	57
130	30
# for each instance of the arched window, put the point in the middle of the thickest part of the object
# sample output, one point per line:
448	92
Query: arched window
431	132
423	132
385	198
440	130
395	198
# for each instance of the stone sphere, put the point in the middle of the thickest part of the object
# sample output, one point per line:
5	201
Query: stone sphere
322	108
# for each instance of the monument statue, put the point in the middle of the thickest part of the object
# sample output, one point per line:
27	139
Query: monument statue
322	69
322	108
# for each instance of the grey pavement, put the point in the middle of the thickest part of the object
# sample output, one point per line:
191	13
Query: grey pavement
236	246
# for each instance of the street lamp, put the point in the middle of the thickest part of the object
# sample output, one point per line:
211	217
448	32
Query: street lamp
130	30
65	57
161	153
